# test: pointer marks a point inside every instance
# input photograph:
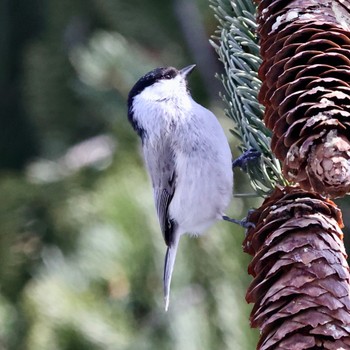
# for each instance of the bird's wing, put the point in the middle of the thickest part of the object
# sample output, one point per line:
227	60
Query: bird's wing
161	166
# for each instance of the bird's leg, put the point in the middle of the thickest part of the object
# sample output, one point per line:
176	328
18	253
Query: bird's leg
243	160
244	223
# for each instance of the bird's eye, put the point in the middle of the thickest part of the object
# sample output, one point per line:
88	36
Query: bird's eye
167	76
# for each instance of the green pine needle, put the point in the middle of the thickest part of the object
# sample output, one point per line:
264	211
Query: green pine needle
236	44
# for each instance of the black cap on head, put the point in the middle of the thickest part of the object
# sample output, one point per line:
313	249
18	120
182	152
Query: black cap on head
148	80
152	77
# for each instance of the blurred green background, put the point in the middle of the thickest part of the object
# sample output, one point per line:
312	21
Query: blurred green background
81	253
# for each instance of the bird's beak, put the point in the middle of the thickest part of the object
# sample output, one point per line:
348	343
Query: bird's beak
184	72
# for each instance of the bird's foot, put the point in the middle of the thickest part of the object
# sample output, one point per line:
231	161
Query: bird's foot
244	223
243	160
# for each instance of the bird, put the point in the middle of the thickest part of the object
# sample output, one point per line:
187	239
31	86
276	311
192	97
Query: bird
187	156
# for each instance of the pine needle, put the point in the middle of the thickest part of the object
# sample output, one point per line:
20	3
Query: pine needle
236	44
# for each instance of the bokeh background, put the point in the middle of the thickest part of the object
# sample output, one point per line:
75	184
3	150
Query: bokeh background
81	253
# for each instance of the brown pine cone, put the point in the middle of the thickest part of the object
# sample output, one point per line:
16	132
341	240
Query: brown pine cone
305	46
301	277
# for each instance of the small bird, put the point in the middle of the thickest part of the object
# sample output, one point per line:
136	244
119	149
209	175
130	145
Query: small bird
187	157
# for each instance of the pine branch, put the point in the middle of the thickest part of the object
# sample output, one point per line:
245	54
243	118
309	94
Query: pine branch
236	44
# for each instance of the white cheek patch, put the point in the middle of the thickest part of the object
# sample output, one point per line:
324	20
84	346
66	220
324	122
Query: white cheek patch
165	89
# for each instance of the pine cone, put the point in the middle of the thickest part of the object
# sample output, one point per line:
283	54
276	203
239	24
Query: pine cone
305	46
301	277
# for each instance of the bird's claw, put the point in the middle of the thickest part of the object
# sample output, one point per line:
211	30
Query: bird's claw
243	160
244	223
247	224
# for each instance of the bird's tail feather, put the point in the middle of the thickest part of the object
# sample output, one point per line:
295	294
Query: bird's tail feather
168	269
